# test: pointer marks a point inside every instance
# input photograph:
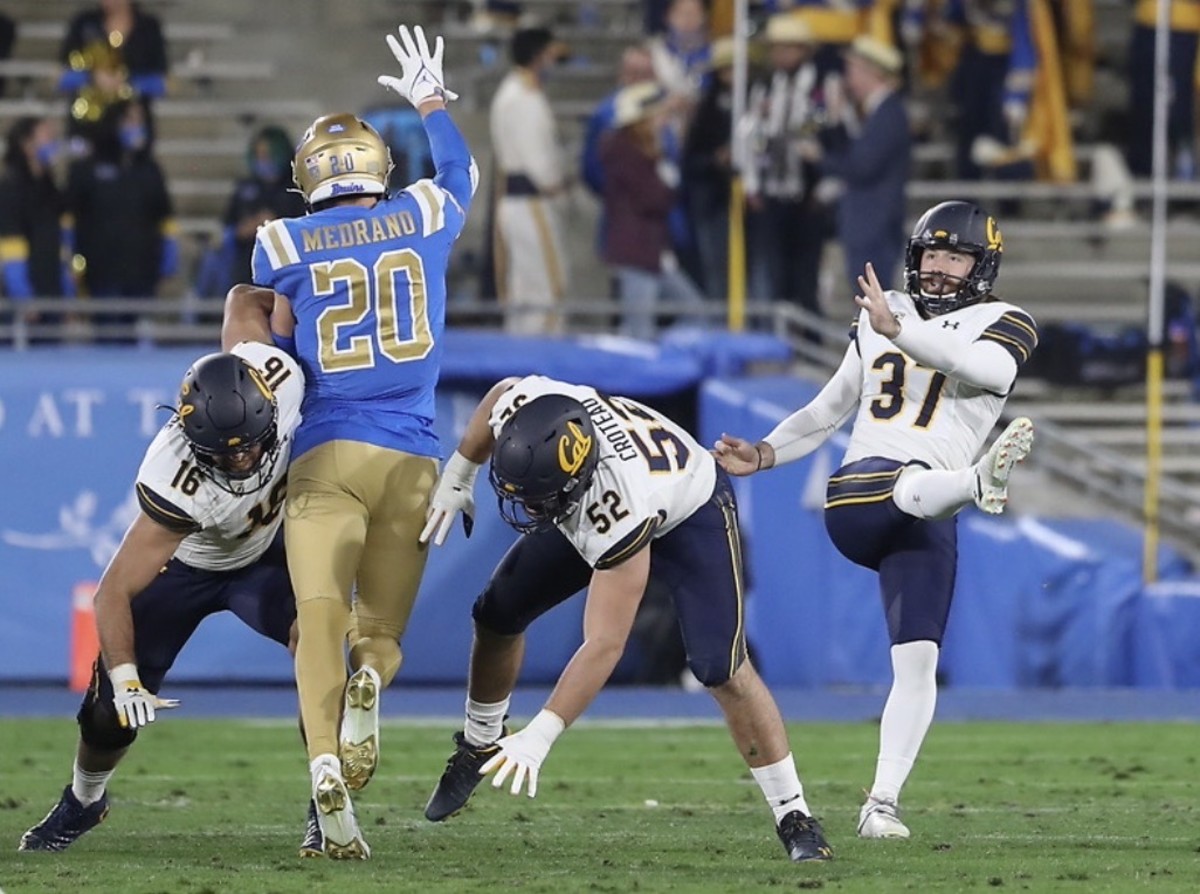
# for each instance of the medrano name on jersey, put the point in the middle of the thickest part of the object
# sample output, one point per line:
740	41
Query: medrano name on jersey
651	473
227	531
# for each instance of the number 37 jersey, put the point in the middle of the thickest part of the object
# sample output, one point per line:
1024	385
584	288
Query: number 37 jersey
651	473
227	531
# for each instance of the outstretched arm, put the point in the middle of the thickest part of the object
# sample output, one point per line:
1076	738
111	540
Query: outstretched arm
612	602
455	490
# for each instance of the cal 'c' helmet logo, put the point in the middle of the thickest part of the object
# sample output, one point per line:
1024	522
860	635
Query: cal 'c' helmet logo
573	449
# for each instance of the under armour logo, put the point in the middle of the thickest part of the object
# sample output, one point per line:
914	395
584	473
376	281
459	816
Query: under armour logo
948	324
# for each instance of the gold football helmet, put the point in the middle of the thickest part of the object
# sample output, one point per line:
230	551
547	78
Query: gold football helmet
341	155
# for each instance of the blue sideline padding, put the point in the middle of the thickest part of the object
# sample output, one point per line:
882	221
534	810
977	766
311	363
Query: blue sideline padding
1038	602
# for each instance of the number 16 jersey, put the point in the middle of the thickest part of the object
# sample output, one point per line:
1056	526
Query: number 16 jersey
225	531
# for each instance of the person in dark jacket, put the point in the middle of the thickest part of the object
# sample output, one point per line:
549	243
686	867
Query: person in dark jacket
639	192
32	247
872	157
124	229
265	195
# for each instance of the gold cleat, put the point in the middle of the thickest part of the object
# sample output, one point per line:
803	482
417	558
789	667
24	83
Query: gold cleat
335	815
358	740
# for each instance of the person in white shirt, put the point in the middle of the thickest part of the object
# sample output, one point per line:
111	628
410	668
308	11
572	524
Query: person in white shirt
206	539
927	373
531	264
603	489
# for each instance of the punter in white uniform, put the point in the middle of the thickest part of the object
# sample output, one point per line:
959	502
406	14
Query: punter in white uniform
928	371
604	490
531	265
206	539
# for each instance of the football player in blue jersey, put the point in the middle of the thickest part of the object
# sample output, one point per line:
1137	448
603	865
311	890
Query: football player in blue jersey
927	373
360	298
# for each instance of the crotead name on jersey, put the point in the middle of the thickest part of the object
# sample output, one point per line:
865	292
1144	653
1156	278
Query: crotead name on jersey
609	426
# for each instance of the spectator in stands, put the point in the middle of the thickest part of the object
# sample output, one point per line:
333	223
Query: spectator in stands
707	170
639	192
556	448
871	157
8	35
34	259
1181	113
530	261
124	228
111	52
786	225
933	363
680	53
636	68
266	194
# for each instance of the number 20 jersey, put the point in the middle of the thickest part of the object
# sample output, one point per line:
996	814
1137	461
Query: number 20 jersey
911	412
651	473
232	530
367	287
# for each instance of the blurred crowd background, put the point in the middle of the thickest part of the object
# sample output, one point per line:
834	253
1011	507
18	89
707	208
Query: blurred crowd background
146	141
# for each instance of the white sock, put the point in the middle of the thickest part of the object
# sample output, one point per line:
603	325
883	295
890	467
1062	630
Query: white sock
484	721
906	716
88	787
781	787
934	493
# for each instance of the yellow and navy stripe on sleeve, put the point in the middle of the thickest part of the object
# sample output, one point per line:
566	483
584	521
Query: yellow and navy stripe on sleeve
1016	333
854	335
629	544
164	512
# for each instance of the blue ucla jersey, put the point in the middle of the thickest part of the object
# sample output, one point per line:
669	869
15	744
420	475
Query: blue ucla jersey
367	287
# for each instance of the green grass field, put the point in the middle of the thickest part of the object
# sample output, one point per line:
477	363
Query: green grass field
208	807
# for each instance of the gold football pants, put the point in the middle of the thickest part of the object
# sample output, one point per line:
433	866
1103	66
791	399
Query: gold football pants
353	515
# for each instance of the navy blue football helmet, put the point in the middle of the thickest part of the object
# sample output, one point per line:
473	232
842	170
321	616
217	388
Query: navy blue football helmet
226	409
543	461
957	226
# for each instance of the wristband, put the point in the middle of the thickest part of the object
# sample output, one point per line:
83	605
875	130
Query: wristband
461	470
123	674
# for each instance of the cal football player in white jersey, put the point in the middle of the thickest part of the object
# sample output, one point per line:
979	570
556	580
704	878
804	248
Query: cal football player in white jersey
603	490
927	372
206	539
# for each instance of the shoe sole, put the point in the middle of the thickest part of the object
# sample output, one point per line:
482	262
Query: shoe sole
1011	448
335	815
358	743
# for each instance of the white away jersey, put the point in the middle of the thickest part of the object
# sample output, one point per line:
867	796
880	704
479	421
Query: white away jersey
230	531
651	475
911	412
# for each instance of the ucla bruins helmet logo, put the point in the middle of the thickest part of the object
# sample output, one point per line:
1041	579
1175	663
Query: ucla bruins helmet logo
341	155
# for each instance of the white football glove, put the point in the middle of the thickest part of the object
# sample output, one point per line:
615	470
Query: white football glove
454	493
524	752
421	71
134	703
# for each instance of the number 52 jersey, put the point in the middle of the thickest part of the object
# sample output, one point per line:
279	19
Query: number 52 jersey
225	531
651	475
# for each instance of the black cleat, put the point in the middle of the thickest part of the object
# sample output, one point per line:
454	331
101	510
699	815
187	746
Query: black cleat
313	844
64	824
802	837
459	779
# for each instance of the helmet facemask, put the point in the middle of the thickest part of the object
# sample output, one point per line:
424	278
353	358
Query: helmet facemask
959	227
228	415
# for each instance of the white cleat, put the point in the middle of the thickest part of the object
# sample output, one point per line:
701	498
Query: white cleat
358	741
335	814
880	818
994	467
